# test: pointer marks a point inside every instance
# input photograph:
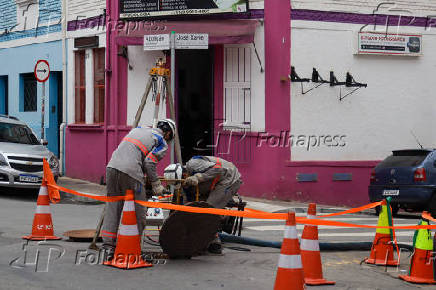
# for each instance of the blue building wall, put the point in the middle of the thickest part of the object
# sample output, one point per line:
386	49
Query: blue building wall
18	60
8	14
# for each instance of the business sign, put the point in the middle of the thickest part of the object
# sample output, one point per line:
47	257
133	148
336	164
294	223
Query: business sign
157	42
182	41
192	41
389	44
152	8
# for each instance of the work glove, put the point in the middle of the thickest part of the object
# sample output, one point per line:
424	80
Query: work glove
157	188
191	181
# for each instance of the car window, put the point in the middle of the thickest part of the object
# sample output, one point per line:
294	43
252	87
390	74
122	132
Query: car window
402	161
15	133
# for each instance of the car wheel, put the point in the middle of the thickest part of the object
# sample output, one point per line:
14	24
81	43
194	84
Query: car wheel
432	206
377	210
395	208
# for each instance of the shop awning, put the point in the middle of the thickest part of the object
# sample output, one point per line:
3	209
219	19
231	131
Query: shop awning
220	31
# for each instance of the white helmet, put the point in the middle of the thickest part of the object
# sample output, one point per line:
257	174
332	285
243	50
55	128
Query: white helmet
167	124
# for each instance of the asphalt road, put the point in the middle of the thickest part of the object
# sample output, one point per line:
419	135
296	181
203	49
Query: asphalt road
69	265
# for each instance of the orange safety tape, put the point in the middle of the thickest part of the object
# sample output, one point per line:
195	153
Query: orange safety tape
245	214
48	178
353	210
425	215
96	197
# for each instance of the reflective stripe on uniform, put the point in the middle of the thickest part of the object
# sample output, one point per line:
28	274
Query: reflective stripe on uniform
309	216
151	157
290	232
138	144
43	209
290	262
108	234
129	230
129	205
309	245
216	179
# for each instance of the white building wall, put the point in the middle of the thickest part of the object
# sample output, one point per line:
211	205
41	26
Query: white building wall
400	96
141	62
82	9
421	8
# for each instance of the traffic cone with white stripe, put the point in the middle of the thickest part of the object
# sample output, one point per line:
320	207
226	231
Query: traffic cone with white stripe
128	250
382	250
42	228
422	265
310	253
290	269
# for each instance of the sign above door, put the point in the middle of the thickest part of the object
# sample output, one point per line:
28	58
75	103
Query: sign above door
153	8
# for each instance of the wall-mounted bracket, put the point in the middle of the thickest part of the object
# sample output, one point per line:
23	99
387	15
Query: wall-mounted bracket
295	78
350	82
334	80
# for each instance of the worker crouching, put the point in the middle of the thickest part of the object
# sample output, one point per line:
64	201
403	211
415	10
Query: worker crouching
218	181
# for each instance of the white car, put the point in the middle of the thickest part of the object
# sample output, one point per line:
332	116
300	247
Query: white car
21	155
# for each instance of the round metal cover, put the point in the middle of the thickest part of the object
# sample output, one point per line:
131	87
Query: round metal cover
185	234
81	235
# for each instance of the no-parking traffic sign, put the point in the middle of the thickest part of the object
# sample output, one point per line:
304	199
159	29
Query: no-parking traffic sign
42	70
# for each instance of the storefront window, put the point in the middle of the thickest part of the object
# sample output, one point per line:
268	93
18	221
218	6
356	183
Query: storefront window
79	86
99	55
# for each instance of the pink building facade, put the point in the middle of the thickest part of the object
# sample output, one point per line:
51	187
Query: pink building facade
258	144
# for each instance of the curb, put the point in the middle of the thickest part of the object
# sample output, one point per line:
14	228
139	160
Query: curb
325	210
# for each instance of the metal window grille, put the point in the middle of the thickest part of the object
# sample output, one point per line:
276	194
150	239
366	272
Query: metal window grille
29	93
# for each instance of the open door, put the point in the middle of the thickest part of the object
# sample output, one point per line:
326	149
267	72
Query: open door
194	77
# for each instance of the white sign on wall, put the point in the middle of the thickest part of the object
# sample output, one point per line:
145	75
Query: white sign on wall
182	41
389	44
157	42
192	41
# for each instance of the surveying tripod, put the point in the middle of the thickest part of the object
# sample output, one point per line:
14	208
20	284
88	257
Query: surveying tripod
157	83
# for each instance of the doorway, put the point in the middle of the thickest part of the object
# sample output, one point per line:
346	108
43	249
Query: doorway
4	94
55	111
194	83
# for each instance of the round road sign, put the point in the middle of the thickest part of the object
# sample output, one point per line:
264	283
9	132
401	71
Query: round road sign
42	71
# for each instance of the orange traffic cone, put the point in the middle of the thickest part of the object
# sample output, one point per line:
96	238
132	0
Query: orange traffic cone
382	250
310	254
128	250
42	228
421	264
290	270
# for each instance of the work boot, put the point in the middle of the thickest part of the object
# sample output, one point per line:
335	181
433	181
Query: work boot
109	252
215	248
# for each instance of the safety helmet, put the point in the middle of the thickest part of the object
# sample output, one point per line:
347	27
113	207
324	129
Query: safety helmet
167	125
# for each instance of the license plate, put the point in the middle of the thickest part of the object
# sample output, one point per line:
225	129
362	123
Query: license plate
29	178
391	192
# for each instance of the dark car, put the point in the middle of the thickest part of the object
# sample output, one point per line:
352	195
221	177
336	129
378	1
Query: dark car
409	177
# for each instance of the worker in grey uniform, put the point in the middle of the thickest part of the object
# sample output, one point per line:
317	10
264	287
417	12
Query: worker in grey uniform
135	158
216	178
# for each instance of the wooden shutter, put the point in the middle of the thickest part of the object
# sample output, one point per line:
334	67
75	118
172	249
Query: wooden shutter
237	87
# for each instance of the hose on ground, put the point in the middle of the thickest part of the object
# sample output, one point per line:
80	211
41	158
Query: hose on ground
323	246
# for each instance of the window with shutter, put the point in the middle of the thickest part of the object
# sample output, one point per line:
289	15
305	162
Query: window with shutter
237	87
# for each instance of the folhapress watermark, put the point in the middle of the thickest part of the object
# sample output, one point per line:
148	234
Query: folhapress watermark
284	139
42	256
